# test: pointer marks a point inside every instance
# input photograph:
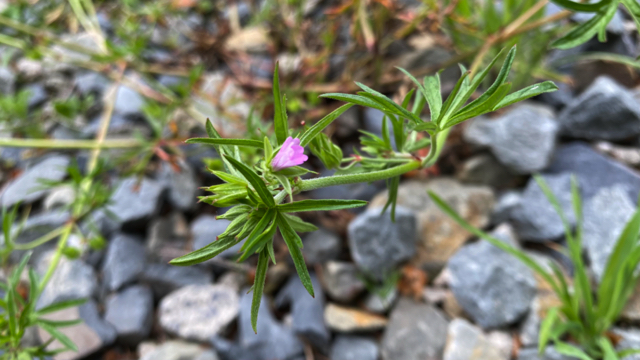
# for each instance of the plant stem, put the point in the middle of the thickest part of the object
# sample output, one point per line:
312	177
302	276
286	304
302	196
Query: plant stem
66	232
306	185
70	144
41	240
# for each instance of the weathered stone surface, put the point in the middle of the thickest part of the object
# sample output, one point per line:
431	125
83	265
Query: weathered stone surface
91	83
605	111
493	287
381	303
467	342
178	350
164	279
485	169
346	320
124	261
306	311
27	187
182	185
128	103
7	81
378	245
166	236
522	139
72	279
131	314
341	281
534	218
605	217
630	339
321	246
439	235
198	312
135	202
347	347
549	354
86	339
506	203
415	332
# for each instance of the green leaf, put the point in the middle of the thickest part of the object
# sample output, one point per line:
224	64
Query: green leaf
446	107
480	109
280	116
546	329
258	287
213	133
581	7
585	31
15	275
633	8
56	334
607	349
59	324
355	99
320	205
391	105
60	306
284	181
571	350
528	92
317	128
205	253
254	180
221	141
258	243
268	150
294	243
433	95
392	185
268	217
299	225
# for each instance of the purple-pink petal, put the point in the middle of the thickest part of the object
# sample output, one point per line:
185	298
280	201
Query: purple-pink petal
290	154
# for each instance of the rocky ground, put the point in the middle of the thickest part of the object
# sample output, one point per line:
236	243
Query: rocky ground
419	288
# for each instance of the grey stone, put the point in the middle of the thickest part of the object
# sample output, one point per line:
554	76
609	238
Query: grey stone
605	111
7	81
505	205
605	217
549	354
128	102
131	314
26	188
321	246
307	313
38	225
172	81
415	332
205	229
72	279
165	234
381	303
492	286
91	317
341	281
378	245
37	95
534	218
523	139
91	83
164	279
630	339
124	261
59	196
182	185
593	170
467	342
179	350
133	202
198	312
347	347
485	169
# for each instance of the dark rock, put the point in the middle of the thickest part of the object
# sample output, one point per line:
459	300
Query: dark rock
506	203
534	218
205	229
415	332
593	170
72	279
37	95
492	286
7	81
347	347
523	139
134	203
341	281
124	261
605	217
91	83
131	314
182	185
605	111
164	279
165	234
485	169
27	187
381	303
198	312
321	246
307	312
91	317
378	245
560	98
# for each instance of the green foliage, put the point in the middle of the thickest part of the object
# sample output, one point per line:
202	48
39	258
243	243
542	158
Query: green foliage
585	314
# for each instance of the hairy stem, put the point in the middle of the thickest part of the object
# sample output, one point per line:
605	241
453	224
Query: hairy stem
70	144
56	256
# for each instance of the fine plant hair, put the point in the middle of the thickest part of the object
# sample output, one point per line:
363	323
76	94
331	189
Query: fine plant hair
586	314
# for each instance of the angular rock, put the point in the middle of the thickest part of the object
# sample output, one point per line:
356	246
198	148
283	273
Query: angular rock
485	169
128	103
534	218
26	188
381	303
549	354
178	350
505	205
341	281
92	318
165	234
321	246
91	83
124	261
347	347
134	203
37	96
605	111
593	170
306	311
467	342
523	139
164	279
72	279
198	312
439	235
605	217
348	320
182	185
7	81
493	287
378	245
415	332
131	314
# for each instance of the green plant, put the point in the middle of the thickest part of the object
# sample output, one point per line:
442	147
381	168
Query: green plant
579	326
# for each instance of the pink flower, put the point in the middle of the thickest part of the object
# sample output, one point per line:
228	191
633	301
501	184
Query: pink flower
290	154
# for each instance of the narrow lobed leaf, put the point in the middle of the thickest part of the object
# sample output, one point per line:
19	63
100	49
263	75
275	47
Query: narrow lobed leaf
320	205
